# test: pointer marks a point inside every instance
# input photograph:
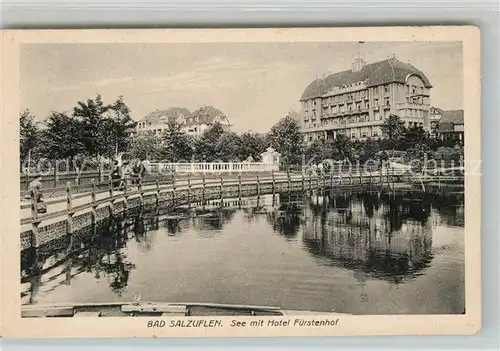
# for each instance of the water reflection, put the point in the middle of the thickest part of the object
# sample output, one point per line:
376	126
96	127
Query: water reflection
286	218
384	236
376	237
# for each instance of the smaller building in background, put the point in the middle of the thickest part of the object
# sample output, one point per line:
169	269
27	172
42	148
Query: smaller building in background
157	121
203	118
271	157
451	125
435	115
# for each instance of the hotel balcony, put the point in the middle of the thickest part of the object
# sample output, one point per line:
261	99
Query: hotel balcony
419	94
344	113
341	126
409	105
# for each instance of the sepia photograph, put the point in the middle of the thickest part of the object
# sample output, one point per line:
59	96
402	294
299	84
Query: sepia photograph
217	183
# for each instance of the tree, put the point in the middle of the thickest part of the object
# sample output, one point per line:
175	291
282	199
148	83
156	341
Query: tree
105	128
214	145
416	143
393	130
114	134
90	115
449	154
342	148
176	145
229	146
318	151
62	137
145	146
29	133
285	137
369	150
252	144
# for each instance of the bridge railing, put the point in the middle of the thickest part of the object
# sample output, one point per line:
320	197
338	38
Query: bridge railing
104	195
98	196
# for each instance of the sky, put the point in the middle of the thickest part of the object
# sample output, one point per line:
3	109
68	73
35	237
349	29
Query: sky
254	84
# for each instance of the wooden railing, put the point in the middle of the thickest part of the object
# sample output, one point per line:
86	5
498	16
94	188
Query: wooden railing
158	185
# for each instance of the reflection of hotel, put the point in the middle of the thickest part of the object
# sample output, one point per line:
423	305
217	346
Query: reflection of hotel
382	245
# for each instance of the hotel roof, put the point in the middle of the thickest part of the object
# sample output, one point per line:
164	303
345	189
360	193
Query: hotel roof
378	73
205	115
171	114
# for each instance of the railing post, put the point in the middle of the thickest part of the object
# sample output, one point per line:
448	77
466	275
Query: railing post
189	187
274	183
203	189
258	185
303	180
173	189
239	188
34	204
34	215
221	190
111	188
289	180
77	180
125	197
310	181
92	196
157	193
56	173
111	203
141	194
331	178
350	178
69	209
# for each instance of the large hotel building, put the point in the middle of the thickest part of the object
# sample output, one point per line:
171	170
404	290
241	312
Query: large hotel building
355	102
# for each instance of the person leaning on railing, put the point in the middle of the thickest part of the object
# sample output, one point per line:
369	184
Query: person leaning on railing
126	175
138	170
116	174
36	186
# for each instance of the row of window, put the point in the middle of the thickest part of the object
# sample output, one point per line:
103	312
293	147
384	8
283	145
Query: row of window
355	135
415	113
344	108
362	94
414	89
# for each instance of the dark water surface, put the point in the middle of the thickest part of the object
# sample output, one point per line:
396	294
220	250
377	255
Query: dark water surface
355	253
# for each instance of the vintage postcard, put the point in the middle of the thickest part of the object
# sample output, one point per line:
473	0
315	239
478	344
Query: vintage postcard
241	182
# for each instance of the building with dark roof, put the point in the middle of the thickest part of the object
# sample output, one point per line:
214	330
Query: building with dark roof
355	102
157	121
451	125
203	118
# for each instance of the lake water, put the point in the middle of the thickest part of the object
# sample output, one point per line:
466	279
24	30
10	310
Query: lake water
355	253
